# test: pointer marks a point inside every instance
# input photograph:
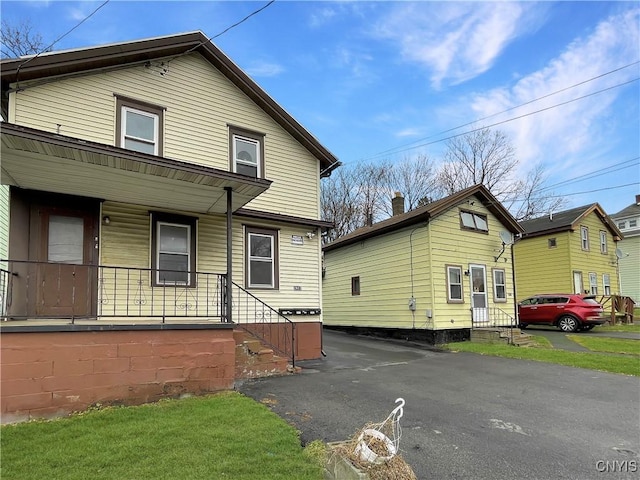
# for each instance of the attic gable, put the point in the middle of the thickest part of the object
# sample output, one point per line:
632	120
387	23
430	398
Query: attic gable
429	211
567	220
93	59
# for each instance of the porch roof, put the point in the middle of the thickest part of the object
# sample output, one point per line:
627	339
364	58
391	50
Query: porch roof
39	160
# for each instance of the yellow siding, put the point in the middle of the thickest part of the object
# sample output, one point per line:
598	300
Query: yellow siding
200	105
299	264
540	269
4	223
384	266
629	266
453	246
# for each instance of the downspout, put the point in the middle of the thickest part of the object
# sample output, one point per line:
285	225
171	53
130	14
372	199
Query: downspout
228	286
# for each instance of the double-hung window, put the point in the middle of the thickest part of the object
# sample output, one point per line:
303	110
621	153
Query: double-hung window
593	283
262	258
473	221
584	238
139	126
454	284
499	285
603	241
606	283
173	250
247	152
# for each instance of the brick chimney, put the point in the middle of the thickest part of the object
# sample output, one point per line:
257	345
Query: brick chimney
637	199
397	204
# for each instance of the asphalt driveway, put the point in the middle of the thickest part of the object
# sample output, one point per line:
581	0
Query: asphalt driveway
467	416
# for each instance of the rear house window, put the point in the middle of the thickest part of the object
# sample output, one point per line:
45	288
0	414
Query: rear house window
473	221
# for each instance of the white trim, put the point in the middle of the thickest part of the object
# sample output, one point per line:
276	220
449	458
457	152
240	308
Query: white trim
156	122
158	252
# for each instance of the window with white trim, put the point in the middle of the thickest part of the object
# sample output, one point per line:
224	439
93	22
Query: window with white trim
593	283
139	126
262	258
633	223
247	152
603	241
584	238
173	249
606	284
473	221
454	284
499	285
622	225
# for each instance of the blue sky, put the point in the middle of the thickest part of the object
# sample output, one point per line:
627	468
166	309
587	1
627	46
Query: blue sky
388	80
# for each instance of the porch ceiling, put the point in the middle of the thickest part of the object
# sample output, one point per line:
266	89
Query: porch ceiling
39	160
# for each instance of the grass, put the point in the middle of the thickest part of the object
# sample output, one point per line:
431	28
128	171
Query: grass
627	365
620	327
605	344
220	436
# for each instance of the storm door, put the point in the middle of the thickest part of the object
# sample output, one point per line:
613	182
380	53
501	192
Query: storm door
67	271
478	278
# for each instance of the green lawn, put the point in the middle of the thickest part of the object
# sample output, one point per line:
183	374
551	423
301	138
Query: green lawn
620	327
215	437
606	344
625	364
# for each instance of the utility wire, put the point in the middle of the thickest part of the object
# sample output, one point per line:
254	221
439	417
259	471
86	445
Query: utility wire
393	150
59	38
210	39
587	176
511	119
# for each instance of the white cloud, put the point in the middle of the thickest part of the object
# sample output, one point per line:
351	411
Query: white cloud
454	41
578	131
264	69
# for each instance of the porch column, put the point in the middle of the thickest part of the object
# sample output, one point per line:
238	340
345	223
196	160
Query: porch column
229	288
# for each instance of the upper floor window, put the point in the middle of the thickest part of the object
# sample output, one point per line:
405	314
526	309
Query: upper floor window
247	152
622	225
584	238
633	223
139	126
552	242
173	248
473	221
603	241
262	258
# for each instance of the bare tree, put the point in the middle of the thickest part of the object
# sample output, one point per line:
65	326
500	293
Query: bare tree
487	157
533	198
415	179
484	156
20	40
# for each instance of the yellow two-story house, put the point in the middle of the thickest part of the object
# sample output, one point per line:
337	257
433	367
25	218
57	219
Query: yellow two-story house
432	273
573	251
154	181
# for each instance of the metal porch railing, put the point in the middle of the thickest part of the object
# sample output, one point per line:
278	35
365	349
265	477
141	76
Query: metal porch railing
49	291
261	320
494	318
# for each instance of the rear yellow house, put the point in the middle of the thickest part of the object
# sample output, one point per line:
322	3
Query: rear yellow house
573	251
433	272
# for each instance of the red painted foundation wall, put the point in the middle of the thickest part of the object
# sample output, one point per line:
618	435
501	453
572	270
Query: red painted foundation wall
48	374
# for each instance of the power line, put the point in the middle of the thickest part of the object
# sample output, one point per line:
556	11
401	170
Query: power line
210	39
60	38
511	119
393	150
590	175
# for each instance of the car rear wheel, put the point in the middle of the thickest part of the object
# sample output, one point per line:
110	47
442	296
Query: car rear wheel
568	324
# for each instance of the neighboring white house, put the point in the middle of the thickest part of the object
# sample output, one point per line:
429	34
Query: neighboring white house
628	253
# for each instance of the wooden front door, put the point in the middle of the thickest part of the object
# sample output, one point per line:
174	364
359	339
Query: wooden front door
67	268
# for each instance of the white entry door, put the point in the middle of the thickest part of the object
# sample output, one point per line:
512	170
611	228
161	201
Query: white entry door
577	282
478	276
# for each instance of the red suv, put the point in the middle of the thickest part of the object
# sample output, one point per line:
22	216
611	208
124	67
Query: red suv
568	312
